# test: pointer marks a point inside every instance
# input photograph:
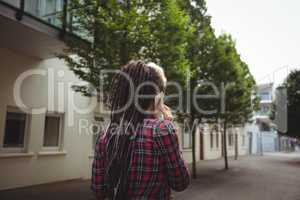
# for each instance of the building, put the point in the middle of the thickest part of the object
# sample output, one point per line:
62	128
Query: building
55	143
263	136
209	142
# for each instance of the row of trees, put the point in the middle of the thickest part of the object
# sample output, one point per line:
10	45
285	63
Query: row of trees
176	34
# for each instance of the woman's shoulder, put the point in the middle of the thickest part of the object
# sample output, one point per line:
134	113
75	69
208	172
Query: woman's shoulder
161	126
158	122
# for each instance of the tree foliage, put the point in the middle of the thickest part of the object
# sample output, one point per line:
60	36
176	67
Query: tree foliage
292	84
118	31
215	60
228	72
176	34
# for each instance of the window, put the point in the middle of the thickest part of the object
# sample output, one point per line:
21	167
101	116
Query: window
265	96
16	129
265	126
211	140
13	3
186	137
243	140
230	139
33	7
47	10
265	109
53	131
217	140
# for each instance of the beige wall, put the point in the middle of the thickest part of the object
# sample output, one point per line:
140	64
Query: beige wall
187	152
210	153
32	168
216	152
242	149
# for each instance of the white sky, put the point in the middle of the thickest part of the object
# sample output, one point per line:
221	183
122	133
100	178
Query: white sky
267	34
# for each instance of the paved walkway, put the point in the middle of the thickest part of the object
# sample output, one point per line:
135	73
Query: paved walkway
271	177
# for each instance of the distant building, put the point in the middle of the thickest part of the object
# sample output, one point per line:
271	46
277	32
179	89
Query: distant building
263	136
286	144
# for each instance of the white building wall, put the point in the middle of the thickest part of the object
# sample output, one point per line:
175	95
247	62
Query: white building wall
270	141
210	148
243	141
214	151
187	153
31	168
253	133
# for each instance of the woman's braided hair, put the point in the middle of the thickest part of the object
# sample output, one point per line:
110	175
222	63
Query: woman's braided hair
125	122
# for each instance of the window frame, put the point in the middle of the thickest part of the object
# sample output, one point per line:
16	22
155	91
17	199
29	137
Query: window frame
231	139
243	140
211	138
184	133
24	149
217	140
61	132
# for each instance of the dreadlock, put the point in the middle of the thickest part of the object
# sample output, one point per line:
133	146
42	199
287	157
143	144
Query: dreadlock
127	114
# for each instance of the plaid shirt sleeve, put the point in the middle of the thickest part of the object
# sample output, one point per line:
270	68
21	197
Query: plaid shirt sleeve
176	169
98	168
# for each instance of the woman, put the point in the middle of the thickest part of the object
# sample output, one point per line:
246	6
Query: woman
138	157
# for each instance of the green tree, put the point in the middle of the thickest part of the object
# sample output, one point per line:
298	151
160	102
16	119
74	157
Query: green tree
292	84
228	72
198	48
239	85
115	32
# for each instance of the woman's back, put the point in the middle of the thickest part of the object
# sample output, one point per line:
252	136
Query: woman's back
138	157
156	165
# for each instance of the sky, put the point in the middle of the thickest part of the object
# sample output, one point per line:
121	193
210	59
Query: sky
267	34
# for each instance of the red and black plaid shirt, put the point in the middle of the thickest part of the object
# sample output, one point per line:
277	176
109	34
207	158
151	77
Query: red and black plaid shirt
156	165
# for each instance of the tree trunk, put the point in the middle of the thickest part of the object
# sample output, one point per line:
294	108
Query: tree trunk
201	145
225	144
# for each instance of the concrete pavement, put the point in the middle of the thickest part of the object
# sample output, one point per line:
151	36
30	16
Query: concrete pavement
271	177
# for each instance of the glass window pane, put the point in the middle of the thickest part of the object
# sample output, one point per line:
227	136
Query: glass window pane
14	129
52	131
265	96
47	10
32	7
15	3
